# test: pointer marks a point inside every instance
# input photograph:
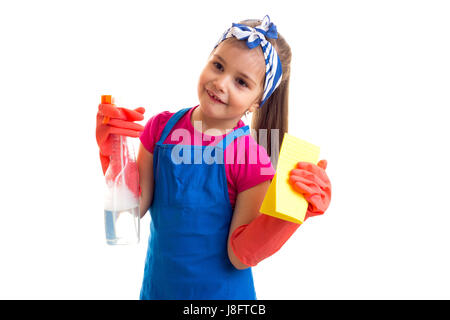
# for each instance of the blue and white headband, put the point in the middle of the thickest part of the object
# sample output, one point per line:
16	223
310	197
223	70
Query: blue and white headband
257	36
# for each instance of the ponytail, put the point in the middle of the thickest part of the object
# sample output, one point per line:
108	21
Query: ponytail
272	115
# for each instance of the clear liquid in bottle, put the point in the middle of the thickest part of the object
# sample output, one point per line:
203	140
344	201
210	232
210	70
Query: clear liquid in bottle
122	227
121	208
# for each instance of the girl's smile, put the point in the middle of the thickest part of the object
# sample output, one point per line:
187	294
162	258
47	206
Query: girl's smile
214	97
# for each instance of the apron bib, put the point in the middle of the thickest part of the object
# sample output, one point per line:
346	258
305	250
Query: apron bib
191	213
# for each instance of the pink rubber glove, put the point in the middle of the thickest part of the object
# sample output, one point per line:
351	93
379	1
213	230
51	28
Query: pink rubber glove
261	238
313	183
265	235
114	120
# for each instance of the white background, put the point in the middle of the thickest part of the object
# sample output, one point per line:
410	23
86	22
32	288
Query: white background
370	85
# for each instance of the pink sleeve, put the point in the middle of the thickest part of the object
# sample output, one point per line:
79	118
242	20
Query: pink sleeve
153	130
252	165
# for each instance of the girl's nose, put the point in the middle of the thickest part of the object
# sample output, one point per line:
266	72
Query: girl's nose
220	83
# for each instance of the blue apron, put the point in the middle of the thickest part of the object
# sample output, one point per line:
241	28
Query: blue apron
191	213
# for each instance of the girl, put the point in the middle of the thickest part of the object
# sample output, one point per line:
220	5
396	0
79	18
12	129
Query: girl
206	230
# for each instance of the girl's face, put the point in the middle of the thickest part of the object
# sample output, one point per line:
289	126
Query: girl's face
231	82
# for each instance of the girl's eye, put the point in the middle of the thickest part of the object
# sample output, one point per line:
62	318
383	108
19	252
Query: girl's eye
219	67
241	82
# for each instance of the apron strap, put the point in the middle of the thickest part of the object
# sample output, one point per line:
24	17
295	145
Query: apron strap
233	135
172	121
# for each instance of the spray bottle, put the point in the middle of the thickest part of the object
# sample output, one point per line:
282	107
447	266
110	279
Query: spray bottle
122	192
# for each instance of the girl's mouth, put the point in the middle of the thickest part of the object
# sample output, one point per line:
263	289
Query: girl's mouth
213	97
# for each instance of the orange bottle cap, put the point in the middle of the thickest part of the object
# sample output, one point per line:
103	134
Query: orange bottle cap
106	99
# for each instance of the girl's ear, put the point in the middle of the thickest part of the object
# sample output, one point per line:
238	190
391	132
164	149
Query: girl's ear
253	107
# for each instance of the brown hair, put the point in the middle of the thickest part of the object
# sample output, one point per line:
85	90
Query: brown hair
274	113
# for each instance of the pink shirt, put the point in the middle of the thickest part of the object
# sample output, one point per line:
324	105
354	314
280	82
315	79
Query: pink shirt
246	163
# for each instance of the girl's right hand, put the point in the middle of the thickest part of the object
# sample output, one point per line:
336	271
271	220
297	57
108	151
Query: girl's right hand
115	120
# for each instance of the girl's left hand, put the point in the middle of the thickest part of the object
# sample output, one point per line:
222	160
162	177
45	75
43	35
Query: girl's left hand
312	182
